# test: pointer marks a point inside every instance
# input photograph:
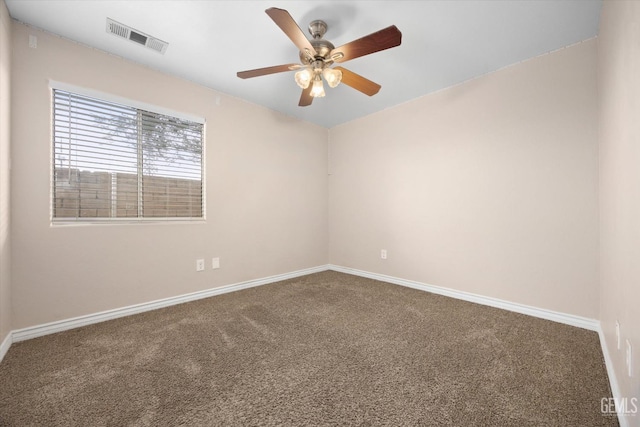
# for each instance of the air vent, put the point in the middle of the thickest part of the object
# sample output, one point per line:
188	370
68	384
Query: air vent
120	30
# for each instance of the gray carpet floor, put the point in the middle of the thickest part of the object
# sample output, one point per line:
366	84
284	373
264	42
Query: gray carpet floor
324	349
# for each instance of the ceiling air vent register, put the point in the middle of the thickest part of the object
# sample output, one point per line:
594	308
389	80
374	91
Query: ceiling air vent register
125	32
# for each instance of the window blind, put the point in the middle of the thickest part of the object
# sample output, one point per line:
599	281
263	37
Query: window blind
112	161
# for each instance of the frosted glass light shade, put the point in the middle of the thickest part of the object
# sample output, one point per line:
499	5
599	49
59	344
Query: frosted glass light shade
303	78
333	77
317	91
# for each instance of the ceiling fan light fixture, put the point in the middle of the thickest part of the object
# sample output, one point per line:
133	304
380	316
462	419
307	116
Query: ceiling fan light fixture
303	78
318	55
317	91
333	77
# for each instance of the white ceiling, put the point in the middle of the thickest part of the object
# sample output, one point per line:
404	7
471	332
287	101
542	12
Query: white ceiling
443	42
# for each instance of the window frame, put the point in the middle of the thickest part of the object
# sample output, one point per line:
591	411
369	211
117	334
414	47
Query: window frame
110	98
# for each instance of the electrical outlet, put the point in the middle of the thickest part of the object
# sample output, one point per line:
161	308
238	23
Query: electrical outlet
33	41
383	253
629	359
215	263
618	334
199	265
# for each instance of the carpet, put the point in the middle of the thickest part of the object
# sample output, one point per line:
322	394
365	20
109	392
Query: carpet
323	349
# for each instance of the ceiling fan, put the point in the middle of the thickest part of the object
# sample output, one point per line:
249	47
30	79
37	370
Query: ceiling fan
317	55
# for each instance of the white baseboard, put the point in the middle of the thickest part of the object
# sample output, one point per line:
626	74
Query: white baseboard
568	319
613	382
6	343
76	322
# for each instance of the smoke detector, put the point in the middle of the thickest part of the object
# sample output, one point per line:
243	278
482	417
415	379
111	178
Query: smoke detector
126	32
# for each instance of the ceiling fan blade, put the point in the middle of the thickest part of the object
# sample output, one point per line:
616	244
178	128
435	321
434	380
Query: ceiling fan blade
375	42
267	70
358	82
286	23
306	99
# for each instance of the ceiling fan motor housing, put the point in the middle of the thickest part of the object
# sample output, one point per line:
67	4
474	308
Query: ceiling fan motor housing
323	47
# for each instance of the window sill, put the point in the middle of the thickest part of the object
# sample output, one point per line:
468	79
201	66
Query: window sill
125	221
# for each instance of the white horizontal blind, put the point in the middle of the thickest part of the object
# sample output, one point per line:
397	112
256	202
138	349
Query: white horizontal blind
112	161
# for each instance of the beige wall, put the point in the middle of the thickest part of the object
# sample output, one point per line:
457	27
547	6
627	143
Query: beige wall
5	118
619	102
266	192
488	187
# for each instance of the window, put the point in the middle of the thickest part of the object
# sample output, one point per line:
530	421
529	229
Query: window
115	162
